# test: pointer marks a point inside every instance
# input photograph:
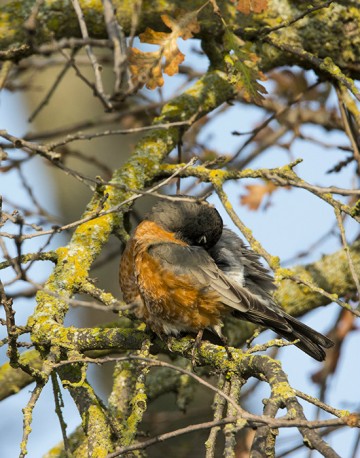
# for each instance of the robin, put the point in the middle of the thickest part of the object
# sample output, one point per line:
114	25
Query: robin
185	273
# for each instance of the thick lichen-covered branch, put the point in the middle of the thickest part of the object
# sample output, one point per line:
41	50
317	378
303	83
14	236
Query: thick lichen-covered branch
96	421
331	32
12	380
243	365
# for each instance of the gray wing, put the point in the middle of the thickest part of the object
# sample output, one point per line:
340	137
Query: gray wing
243	265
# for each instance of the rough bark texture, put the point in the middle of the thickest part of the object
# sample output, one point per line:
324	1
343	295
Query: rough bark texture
332	33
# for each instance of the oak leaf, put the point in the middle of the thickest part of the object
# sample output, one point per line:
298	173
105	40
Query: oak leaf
148	67
145	69
256	193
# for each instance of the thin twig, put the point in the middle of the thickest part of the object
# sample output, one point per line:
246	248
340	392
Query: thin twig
332	70
338	413
107	118
218	407
117	37
279	343
97	68
119	207
52	89
289	22
317	289
347	251
271	260
134	130
28	414
279	112
12	332
345	115
166	436
59	403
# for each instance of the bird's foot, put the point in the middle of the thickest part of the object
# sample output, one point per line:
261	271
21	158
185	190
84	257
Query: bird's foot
195	348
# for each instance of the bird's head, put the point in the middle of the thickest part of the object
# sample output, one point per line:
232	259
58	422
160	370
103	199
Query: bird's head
195	222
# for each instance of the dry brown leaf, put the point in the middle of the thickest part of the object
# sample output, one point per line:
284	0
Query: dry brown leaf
251	6
256	194
147	67
185	25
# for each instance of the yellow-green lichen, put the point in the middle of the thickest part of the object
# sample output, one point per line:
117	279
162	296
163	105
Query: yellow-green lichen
99	442
282	390
217	177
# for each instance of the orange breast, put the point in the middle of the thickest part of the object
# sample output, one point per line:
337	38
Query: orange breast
169	303
175	303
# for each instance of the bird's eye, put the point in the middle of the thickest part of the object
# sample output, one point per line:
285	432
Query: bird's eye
202	240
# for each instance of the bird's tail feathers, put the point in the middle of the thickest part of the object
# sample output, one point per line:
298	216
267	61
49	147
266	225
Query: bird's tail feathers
310	341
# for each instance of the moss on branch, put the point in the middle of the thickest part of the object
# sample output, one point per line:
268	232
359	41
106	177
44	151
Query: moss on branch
12	380
331	32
